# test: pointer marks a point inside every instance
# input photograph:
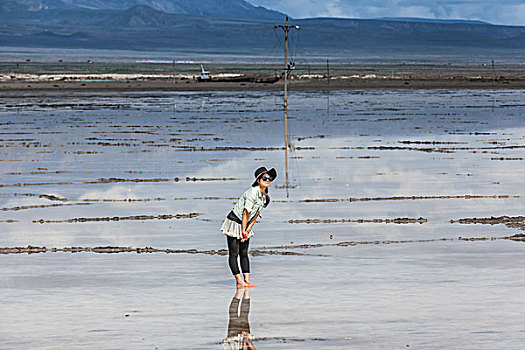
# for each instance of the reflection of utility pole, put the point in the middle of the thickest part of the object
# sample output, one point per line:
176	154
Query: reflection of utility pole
286	28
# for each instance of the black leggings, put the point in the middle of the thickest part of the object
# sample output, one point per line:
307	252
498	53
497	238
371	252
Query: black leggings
236	248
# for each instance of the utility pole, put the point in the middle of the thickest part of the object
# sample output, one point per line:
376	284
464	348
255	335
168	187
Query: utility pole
286	28
173	66
493	72
328	72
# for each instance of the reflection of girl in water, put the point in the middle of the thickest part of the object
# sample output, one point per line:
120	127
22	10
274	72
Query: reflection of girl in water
239	336
238	224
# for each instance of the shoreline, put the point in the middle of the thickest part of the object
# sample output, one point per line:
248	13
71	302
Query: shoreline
122	76
294	84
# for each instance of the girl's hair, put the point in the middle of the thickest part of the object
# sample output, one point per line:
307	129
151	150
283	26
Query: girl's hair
267	198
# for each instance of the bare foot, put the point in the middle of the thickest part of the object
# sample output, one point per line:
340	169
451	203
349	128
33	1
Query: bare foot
249	284
240	281
247	279
242	285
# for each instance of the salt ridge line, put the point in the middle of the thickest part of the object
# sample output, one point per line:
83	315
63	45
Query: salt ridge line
114	250
25	207
120	218
398	198
61	199
96	201
297	221
308	200
428	149
119	180
419	220
509	221
517	238
273	250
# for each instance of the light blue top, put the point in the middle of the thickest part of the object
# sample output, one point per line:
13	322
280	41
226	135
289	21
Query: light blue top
252	200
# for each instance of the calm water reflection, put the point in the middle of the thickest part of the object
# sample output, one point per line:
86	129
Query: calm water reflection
239	334
372	155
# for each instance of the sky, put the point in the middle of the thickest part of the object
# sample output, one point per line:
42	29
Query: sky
509	12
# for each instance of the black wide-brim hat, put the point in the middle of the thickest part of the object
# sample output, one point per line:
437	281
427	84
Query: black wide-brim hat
262	170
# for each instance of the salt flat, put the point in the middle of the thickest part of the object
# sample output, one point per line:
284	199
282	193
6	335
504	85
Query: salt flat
363	252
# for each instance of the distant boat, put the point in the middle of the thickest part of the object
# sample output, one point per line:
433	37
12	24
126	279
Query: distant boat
205	75
266	79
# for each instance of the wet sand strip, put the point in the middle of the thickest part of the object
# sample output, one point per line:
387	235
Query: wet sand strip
120	218
510	81
360	221
274	250
400	198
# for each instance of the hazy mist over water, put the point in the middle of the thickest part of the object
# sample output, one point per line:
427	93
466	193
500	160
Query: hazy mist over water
303	57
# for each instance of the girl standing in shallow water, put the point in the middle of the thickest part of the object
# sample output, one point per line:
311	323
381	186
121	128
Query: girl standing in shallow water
238	224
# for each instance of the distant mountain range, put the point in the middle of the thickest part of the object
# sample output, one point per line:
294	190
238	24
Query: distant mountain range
214	8
432	20
236	27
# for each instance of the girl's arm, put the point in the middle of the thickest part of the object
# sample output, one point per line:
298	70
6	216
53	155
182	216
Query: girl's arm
245	217
246	231
249	228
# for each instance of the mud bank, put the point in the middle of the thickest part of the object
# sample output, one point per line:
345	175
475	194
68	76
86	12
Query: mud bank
114	250
402	198
120	218
298	84
360	221
509	221
271	250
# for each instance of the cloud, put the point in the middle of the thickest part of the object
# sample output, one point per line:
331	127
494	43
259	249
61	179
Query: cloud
511	12
514	14
334	10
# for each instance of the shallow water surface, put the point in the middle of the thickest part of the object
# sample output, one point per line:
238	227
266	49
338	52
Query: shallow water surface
362	249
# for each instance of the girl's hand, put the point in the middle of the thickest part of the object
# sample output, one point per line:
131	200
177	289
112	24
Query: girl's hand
245	235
